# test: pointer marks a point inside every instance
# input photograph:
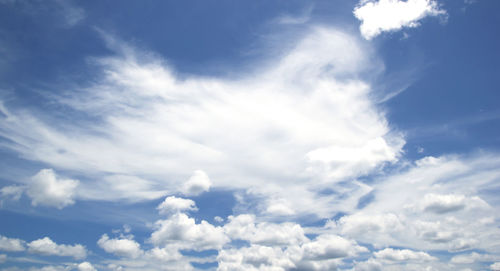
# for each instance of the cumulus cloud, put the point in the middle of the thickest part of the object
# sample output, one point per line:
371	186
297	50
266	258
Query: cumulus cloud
46	246
11	244
121	247
244	227
255	257
495	266
329	246
174	204
403	255
86	266
47	189
197	184
183	230
414	208
392	15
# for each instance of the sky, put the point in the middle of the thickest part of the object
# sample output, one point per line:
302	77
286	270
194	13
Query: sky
249	135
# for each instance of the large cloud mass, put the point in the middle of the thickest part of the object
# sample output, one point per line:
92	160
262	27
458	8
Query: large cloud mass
306	122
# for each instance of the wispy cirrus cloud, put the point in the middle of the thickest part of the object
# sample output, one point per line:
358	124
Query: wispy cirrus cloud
306	121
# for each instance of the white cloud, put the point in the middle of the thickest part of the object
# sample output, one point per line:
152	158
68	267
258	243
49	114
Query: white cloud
182	230
12	192
11	244
329	246
47	189
316	126
243	227
403	255
86	266
121	247
46	246
197	184
174	205
495	266
442	204
255	257
473	257
3	258
414	208
392	15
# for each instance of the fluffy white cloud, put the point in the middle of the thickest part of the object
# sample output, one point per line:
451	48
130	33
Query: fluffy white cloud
174	205
495	266
197	184
121	247
46	246
86	266
391	15
183	230
414	208
243	227
329	246
47	189
323	253
403	255
11	244
255	257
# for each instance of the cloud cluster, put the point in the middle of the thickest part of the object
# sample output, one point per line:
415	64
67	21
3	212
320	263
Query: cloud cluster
43	246
305	121
46	246
392	15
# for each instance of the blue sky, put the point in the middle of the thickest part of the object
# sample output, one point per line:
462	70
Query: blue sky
249	135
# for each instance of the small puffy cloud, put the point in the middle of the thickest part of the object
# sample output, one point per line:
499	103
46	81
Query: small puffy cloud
495	266
86	266
197	184
243	227
11	244
47	189
121	247
255	257
371	224
400	255
331	247
182	230
174	205
46	246
392	15
165	254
